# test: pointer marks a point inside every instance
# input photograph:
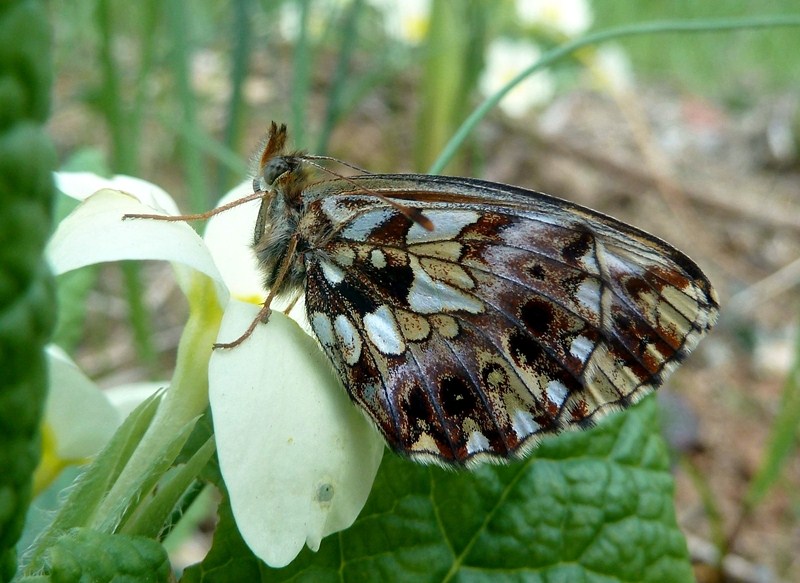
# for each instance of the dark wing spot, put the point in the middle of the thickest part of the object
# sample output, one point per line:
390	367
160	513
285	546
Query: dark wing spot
578	247
536	271
456	397
537	315
418	407
525	352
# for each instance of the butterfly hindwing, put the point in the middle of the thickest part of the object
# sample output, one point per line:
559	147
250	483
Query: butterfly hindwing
517	315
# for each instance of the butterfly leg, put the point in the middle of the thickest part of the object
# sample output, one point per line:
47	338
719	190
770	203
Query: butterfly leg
198	216
263	314
291	305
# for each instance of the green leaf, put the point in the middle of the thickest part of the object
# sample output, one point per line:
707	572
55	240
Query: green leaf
151	519
590	506
87	492
87	555
27	295
113	516
229	558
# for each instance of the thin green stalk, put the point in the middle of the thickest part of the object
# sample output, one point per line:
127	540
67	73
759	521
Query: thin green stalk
301	81
193	509
193	167
783	438
445	47
641	29
149	520
149	26
710	507
139	316
240	60
124	151
333	111
207	145
125	156
783	442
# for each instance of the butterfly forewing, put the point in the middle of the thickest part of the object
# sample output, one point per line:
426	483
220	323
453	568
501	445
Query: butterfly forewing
517	315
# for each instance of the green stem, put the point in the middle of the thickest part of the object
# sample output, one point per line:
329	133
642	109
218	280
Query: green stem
187	397
124	138
641	29
139	317
301	82
333	111
193	167
240	59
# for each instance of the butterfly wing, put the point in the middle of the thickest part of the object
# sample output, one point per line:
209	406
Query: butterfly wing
517	316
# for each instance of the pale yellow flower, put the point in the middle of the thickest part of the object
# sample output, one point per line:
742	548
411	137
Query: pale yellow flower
567	17
505	59
297	457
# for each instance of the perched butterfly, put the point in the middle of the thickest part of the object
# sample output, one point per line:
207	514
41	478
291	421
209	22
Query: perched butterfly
468	318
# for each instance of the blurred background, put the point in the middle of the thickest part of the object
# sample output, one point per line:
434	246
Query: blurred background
692	136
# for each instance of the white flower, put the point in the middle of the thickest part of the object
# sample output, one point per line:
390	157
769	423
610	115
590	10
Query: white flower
505	59
72	401
567	17
297	458
610	69
405	20
72	397
318	18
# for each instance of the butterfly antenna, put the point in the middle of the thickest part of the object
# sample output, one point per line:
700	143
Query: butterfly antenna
332	159
412	214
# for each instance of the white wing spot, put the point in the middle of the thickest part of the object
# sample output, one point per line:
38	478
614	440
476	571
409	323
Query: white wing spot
447	224
344	256
349	339
589	259
428	296
581	348
362	226
323	329
523	423
333	273
588	294
477	442
378	259
384	332
557	392
336	212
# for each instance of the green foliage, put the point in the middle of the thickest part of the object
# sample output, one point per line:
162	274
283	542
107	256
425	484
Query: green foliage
730	66
83	554
591	506
595	506
80	507
783	438
26	290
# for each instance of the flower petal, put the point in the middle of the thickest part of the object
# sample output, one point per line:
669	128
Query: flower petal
505	59
297	457
229	236
95	232
81	185
79	414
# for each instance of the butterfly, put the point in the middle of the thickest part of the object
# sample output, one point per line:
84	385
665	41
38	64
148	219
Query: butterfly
469	319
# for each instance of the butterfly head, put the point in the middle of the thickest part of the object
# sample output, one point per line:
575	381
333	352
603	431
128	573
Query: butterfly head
273	162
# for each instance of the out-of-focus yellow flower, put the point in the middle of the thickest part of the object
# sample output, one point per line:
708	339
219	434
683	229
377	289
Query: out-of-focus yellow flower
507	58
567	17
405	20
610	69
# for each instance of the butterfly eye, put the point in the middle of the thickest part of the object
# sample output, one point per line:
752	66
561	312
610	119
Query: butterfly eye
272	170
